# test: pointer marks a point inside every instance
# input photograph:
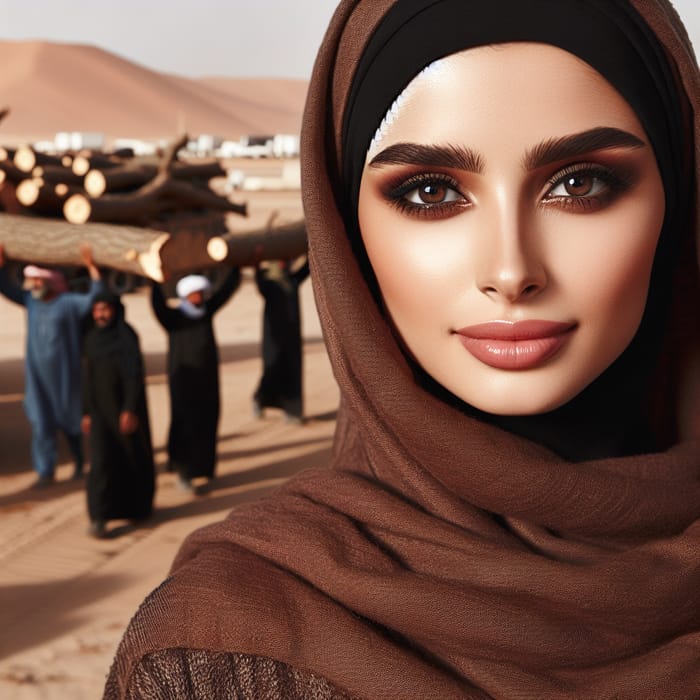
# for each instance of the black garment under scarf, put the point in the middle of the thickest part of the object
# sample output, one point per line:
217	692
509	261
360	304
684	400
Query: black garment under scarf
609	35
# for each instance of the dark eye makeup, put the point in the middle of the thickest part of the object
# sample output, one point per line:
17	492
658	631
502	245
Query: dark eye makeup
431	195
579	187
586	186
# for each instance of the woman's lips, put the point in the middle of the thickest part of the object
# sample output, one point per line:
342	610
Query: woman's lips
519	345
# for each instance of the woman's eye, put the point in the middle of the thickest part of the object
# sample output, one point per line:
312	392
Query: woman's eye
434	196
585	187
431	193
579	185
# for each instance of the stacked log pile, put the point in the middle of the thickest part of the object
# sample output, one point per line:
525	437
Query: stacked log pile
152	216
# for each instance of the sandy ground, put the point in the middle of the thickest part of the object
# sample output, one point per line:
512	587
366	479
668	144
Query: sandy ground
65	598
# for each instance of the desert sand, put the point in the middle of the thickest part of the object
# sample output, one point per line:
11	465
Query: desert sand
66	598
51	87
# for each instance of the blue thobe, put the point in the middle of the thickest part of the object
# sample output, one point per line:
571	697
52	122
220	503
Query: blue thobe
52	369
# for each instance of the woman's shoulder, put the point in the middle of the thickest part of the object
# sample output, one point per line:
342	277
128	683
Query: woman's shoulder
204	673
217	619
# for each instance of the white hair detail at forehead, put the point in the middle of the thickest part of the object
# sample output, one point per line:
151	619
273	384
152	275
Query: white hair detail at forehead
396	106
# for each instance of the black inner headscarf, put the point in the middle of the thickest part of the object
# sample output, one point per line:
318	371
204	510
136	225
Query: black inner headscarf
115	339
606	419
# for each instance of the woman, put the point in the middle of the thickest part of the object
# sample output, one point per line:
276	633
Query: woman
121	480
514	500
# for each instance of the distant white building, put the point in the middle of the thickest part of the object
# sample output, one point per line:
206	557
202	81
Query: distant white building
285	146
274	146
205	145
79	140
139	147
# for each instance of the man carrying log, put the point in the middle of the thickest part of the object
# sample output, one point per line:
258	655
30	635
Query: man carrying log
52	359
193	373
281	382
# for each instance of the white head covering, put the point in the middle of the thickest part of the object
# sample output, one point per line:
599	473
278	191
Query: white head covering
192	283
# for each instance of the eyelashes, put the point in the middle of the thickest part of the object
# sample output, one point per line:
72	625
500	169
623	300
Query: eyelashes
432	195
586	186
581	187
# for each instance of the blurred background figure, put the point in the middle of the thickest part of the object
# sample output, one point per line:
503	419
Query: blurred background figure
121	480
281	383
52	359
193	373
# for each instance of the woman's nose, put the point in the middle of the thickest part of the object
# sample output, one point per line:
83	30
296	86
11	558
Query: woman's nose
512	266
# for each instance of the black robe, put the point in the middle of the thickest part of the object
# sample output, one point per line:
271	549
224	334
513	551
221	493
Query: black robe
193	378
121	481
281	382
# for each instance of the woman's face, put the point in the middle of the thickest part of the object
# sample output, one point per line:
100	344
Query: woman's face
511	211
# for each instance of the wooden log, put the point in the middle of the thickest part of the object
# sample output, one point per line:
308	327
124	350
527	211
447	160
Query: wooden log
147	203
44	197
190	233
57	173
142	251
55	242
26	159
97	182
8	199
137	173
27	192
6	153
272	242
12	172
83	163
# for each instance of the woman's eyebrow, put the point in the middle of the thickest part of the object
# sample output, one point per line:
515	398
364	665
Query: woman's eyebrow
565	147
545	153
432	156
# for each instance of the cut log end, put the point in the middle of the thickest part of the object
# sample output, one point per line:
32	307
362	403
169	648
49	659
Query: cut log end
150	261
81	165
77	209
217	248
25	159
95	183
27	192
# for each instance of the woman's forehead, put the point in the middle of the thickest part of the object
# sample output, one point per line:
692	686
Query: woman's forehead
514	85
514	89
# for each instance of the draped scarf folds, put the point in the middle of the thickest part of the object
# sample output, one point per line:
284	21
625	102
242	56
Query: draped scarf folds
440	556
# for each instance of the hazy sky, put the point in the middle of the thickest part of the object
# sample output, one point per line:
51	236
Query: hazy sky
275	38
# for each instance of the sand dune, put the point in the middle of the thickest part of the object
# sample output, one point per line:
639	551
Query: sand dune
52	87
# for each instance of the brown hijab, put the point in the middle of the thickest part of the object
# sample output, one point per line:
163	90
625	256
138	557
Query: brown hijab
442	556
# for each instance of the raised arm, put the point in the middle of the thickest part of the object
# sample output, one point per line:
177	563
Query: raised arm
88	261
8	288
166	316
225	291
302	273
83	302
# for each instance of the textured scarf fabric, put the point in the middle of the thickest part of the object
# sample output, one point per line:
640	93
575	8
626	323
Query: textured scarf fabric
442	556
